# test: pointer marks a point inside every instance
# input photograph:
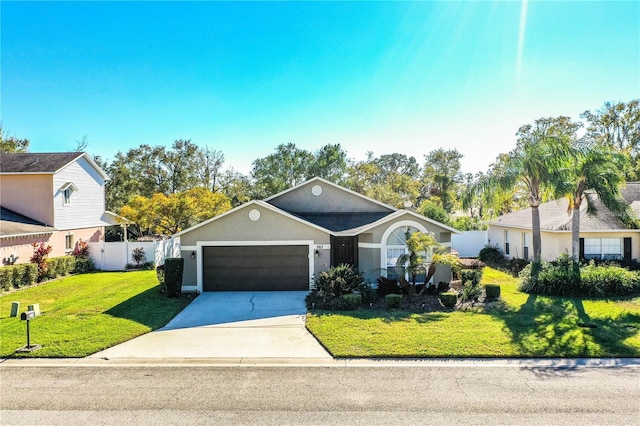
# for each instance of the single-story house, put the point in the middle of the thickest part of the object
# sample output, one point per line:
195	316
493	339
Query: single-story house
284	241
603	236
56	198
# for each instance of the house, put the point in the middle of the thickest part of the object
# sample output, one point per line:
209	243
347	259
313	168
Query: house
603	236
57	198
284	241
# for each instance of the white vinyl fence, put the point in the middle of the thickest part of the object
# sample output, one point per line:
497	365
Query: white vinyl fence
469	243
114	256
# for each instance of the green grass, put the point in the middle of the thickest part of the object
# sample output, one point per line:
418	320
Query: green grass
521	325
86	313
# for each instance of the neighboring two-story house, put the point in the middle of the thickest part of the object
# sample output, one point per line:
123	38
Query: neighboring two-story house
57	198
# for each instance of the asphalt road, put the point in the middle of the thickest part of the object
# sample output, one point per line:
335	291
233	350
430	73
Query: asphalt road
319	395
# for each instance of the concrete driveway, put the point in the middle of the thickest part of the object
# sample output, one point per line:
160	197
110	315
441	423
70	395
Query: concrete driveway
230	325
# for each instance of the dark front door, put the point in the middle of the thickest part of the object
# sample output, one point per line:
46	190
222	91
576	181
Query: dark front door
344	250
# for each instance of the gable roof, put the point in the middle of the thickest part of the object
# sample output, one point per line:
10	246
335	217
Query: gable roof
43	163
555	216
14	224
335	185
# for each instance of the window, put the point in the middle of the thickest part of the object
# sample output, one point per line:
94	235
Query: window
603	248
67	189
525	246
67	196
506	242
396	247
68	243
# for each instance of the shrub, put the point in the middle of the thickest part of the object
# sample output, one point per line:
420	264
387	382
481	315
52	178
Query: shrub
173	267
492	255
473	275
393	300
81	251
368	293
6	278
138	256
60	266
471	291
564	277
160	275
492	291
449	299
515	266
387	286
332	284
84	265
39	257
348	302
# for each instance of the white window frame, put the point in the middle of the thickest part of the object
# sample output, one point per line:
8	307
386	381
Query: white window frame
507	250
401	227
597	248
69	243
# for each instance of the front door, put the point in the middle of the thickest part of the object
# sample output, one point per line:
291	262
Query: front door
344	250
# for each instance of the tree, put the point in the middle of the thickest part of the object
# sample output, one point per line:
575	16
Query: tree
167	215
591	170
285	168
540	150
210	163
330	163
82	144
441	174
433	211
12	144
617	126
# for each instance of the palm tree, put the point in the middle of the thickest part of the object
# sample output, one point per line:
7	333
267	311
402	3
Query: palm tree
419	261
591	170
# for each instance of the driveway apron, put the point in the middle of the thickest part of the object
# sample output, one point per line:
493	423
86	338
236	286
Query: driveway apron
268	324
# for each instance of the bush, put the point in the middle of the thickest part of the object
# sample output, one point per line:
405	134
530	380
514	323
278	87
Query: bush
470	291
348	302
40	253
16	276
515	266
84	265
449	299
563	277
492	255
368	293
492	291
160	275
332	284
393	300
173	267
138	256
473	275
59	266
387	286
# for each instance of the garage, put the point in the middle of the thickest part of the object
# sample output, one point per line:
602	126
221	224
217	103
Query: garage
255	268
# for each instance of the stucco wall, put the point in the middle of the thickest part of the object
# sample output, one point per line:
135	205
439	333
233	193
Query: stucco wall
332	199
237	226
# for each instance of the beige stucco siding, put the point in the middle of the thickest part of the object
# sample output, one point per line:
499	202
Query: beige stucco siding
29	195
331	199
238	226
369	263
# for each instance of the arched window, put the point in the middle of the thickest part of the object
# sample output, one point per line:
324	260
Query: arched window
395	245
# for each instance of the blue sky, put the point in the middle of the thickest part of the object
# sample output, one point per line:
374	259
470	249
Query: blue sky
244	77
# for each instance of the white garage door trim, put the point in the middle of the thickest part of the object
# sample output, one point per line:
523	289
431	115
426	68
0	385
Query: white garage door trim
202	244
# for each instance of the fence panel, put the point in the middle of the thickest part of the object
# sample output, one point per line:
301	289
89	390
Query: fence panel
114	256
469	243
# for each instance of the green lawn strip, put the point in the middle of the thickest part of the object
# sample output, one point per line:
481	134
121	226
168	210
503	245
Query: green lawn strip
86	313
522	325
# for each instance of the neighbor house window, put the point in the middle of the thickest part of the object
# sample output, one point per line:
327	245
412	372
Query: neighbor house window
68	242
506	242
603	248
525	246
67	189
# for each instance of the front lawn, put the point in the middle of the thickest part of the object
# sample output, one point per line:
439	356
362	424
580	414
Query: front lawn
521	325
86	313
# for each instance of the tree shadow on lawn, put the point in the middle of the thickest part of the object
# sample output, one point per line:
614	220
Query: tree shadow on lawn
151	308
547	326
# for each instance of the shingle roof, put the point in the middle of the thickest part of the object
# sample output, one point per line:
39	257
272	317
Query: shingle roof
555	215
14	224
337	222
36	162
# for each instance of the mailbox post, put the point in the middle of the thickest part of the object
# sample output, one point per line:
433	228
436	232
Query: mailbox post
28	316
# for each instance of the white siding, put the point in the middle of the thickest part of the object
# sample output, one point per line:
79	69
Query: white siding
87	203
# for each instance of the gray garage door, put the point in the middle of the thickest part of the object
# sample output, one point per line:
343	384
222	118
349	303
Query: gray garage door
255	268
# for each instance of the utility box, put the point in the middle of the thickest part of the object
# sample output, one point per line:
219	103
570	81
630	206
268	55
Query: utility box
35	308
15	308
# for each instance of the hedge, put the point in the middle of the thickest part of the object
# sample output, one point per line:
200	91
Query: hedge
16	276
